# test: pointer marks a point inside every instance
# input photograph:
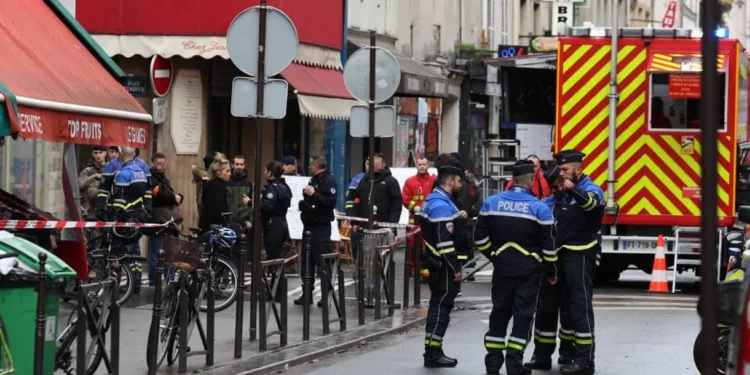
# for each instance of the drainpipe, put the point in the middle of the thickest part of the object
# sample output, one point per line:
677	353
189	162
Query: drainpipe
613	96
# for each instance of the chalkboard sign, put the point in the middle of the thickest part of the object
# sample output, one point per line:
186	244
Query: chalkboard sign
297	184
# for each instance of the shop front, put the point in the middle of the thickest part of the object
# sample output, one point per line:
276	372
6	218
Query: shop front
58	89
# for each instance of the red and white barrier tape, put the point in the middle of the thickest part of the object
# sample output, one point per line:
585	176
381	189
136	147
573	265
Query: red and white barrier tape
378	223
43	224
403	238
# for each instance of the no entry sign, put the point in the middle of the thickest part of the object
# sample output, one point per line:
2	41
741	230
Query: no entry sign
161	75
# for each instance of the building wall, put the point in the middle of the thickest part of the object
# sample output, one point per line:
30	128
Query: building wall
379	15
430	28
738	23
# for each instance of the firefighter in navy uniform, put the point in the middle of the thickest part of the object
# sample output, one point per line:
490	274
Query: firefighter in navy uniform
515	231
274	203
439	217
579	215
549	307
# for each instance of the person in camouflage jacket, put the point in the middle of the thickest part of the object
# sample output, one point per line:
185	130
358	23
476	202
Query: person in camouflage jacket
90	178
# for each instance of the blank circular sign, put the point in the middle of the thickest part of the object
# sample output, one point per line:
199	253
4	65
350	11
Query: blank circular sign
281	41
357	74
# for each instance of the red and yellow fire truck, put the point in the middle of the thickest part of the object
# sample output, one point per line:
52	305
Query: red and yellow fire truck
652	176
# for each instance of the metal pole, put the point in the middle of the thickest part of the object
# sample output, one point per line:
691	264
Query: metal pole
709	236
418	256
361	278
613	96
307	289
371	106
182	340
211	319
40	316
240	302
153	335
261	77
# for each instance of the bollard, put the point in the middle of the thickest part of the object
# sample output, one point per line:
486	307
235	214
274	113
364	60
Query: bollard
325	287
81	332
392	282
240	302
183	339
418	257
114	308
210	318
378	281
41	307
152	349
342	301
407	269
307	290
262	313
361	278
284	299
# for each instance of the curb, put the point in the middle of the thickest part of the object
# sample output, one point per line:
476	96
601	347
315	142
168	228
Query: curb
281	365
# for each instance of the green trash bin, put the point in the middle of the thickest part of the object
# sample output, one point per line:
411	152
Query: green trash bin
18	303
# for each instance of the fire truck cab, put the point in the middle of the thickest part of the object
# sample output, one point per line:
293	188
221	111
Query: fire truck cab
647	159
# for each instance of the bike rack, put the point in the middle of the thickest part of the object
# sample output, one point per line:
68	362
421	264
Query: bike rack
240	302
88	322
153	333
187	301
385	281
331	264
277	285
41	308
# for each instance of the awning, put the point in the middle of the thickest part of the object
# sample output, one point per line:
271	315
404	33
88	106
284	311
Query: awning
321	92
680	62
540	61
417	79
206	47
61	91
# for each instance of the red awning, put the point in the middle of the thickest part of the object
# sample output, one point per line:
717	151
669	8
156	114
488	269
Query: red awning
321	92
64	94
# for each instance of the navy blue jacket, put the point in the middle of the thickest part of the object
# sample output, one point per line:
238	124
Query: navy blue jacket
131	194
438	223
579	214
275	199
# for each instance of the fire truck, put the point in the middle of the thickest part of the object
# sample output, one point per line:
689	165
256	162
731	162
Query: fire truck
645	150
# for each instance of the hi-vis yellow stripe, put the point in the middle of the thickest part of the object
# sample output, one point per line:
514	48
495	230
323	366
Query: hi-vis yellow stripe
671	62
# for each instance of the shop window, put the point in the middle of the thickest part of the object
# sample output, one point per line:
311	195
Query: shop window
675	101
317	137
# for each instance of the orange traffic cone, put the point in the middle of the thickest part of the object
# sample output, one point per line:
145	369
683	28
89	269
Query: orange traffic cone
659	271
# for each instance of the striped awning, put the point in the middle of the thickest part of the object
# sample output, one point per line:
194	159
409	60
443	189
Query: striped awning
680	62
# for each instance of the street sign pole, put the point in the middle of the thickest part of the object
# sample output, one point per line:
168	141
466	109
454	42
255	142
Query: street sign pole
257	269
371	134
709	236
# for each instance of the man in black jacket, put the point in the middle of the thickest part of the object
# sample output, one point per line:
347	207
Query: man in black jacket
382	188
165	206
317	214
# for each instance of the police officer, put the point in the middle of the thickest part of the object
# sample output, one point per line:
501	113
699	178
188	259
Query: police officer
549	305
130	201
438	223
515	231
579	215
274	203
103	201
316	214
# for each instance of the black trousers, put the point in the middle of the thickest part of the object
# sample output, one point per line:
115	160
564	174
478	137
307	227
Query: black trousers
512	297
577	269
320	243
443	291
275	234
549	308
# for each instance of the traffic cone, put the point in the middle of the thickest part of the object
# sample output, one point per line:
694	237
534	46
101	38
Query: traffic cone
659	271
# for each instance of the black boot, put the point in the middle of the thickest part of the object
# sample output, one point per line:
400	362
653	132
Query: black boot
577	369
522	371
537	363
301	301
439	362
565	360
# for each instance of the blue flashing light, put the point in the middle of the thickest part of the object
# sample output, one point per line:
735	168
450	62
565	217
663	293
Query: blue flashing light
722	33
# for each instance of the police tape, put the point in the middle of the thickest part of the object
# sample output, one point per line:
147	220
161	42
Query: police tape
400	239
44	224
378	223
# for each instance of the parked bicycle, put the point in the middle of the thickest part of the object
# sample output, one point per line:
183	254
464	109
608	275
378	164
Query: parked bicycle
66	347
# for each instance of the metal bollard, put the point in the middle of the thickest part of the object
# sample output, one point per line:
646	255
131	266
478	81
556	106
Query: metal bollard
325	289
284	324
407	269
114	308
418	257
210	318
307	290
240	302
183	339
152	348
342	301
361	278
392	282
41	307
262	314
378	280
81	331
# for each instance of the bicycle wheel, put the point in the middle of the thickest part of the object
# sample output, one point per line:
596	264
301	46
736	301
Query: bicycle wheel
67	349
124	276
168	325
225	285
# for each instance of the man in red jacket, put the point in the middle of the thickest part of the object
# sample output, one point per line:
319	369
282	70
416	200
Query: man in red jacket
540	189
416	189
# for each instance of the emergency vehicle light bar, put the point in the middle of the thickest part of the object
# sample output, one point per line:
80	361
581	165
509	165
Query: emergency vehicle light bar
636	32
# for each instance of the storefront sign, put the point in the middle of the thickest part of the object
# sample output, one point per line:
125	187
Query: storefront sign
506	51
684	86
67	127
159	109
187	112
423	86
136	86
561	13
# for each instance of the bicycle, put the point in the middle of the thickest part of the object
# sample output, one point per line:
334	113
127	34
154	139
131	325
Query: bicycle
66	346
226	275
102	264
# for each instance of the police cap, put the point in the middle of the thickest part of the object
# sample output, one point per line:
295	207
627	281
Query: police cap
449	167
552	174
569	156
99	148
288	160
523	167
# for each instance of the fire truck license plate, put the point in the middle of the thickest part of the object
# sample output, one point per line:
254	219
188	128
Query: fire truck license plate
638	245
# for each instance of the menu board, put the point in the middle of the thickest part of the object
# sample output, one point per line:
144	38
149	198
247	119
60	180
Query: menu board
187	112
296	185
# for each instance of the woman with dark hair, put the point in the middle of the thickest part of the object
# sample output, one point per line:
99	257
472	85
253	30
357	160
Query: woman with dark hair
274	203
215	197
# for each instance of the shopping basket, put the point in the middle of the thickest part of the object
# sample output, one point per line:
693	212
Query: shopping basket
183	254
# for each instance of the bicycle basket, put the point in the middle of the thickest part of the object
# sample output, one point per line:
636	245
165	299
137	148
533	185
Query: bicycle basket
183	254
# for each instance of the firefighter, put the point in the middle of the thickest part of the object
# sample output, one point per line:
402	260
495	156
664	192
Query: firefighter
438	222
414	193
515	231
579	215
549	305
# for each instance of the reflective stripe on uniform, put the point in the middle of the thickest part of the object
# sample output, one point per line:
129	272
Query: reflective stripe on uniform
492	342
550	255
411	205
579	247
441	252
584	338
566	334
433	340
516	343
598	259
483	244
517	247
118	204
545	337
463	257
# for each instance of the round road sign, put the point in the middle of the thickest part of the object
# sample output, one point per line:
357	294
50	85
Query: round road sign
281	41
357	74
161	75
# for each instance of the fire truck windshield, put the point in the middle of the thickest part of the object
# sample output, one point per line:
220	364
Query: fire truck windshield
675	101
